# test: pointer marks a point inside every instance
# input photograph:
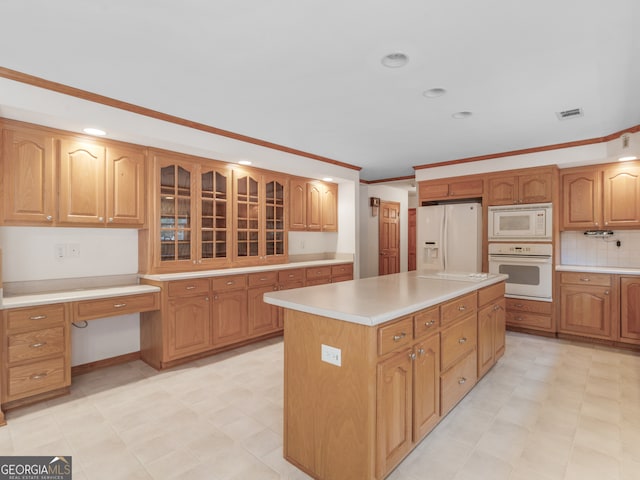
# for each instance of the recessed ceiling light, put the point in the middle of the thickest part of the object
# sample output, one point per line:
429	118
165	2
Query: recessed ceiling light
461	115
627	158
94	131
245	162
395	60
434	92
327	179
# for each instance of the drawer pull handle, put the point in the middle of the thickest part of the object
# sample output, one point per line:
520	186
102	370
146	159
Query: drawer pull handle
231	282
585	279
291	275
397	338
38	345
119	305
38	317
429	323
519	305
263	279
462	308
462	380
462	340
38	376
190	287
518	318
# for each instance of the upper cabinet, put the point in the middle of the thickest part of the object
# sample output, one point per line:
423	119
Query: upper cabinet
514	189
313	206
452	188
55	179
604	196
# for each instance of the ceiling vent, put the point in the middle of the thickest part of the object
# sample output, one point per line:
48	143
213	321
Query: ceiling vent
566	114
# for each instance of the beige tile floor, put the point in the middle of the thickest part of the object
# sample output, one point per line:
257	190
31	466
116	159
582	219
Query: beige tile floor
549	410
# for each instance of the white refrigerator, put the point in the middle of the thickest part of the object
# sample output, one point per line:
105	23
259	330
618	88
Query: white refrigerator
449	238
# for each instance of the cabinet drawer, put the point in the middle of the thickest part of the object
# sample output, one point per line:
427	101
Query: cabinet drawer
457	340
458	308
234	282
457	382
342	270
291	275
395	335
196	286
109	307
35	317
39	377
529	320
531	306
318	272
488	294
36	344
583	278
263	278
426	322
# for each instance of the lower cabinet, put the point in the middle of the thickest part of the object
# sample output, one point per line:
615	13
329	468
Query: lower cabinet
586	304
229	317
189	325
491	329
630	310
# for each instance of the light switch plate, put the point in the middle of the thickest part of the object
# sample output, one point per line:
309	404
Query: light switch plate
331	355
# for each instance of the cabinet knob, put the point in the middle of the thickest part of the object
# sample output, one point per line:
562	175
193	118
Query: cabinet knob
397	338
101	219
596	224
110	219
49	218
421	352
496	307
462	308
462	380
215	297
429	323
606	292
462	340
412	356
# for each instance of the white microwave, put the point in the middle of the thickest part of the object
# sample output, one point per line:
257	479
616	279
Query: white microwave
532	222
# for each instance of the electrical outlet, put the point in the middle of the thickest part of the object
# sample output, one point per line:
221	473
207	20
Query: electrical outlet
59	251
73	250
331	355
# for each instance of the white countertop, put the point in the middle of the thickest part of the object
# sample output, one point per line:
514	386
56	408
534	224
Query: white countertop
164	277
592	269
74	295
375	300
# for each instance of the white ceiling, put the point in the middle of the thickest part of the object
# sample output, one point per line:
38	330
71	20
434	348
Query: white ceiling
307	74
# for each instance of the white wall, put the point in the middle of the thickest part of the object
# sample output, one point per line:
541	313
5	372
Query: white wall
369	227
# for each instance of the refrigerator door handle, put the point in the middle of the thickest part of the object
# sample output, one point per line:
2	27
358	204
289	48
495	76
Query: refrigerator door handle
443	244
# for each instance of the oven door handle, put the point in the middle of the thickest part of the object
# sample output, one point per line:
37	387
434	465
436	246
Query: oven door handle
519	259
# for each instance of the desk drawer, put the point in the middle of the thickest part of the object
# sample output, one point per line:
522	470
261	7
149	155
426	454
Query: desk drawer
32	318
319	272
458	340
232	282
342	270
36	344
112	306
458	308
396	335
35	378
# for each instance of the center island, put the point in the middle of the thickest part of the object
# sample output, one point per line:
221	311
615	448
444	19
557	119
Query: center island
372	365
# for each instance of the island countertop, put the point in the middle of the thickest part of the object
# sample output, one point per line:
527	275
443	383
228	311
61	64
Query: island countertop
375	300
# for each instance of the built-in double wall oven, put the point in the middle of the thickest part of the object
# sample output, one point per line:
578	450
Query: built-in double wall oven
529	266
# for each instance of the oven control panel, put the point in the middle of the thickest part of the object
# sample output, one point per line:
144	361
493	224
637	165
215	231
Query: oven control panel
545	249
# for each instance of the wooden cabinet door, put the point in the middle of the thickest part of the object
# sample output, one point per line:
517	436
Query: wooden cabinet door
426	387
214	211
630	309
466	188
535	188
486	339
503	191
125	186
314	206
189	325
248	230
621	196
585	310
394	410
581	199
229	317
82	182
28	159
274	233
263	317
433	191
330	208
297	204
500	317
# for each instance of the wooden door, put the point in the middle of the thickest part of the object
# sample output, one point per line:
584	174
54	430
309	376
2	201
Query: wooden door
503	191
263	317
189	325
330	207
214	232
486	339
29	161
389	238
229	317
630	309
297	204
535	188
314	206
82	182
275	221
621	196
585	310
248	248
500	317
581	199
426	387
394	411
411	220
125	186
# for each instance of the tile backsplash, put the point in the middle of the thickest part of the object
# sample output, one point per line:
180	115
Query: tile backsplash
579	249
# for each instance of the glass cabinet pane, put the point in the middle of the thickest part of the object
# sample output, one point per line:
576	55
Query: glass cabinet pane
213	215
247	217
175	213
274	215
